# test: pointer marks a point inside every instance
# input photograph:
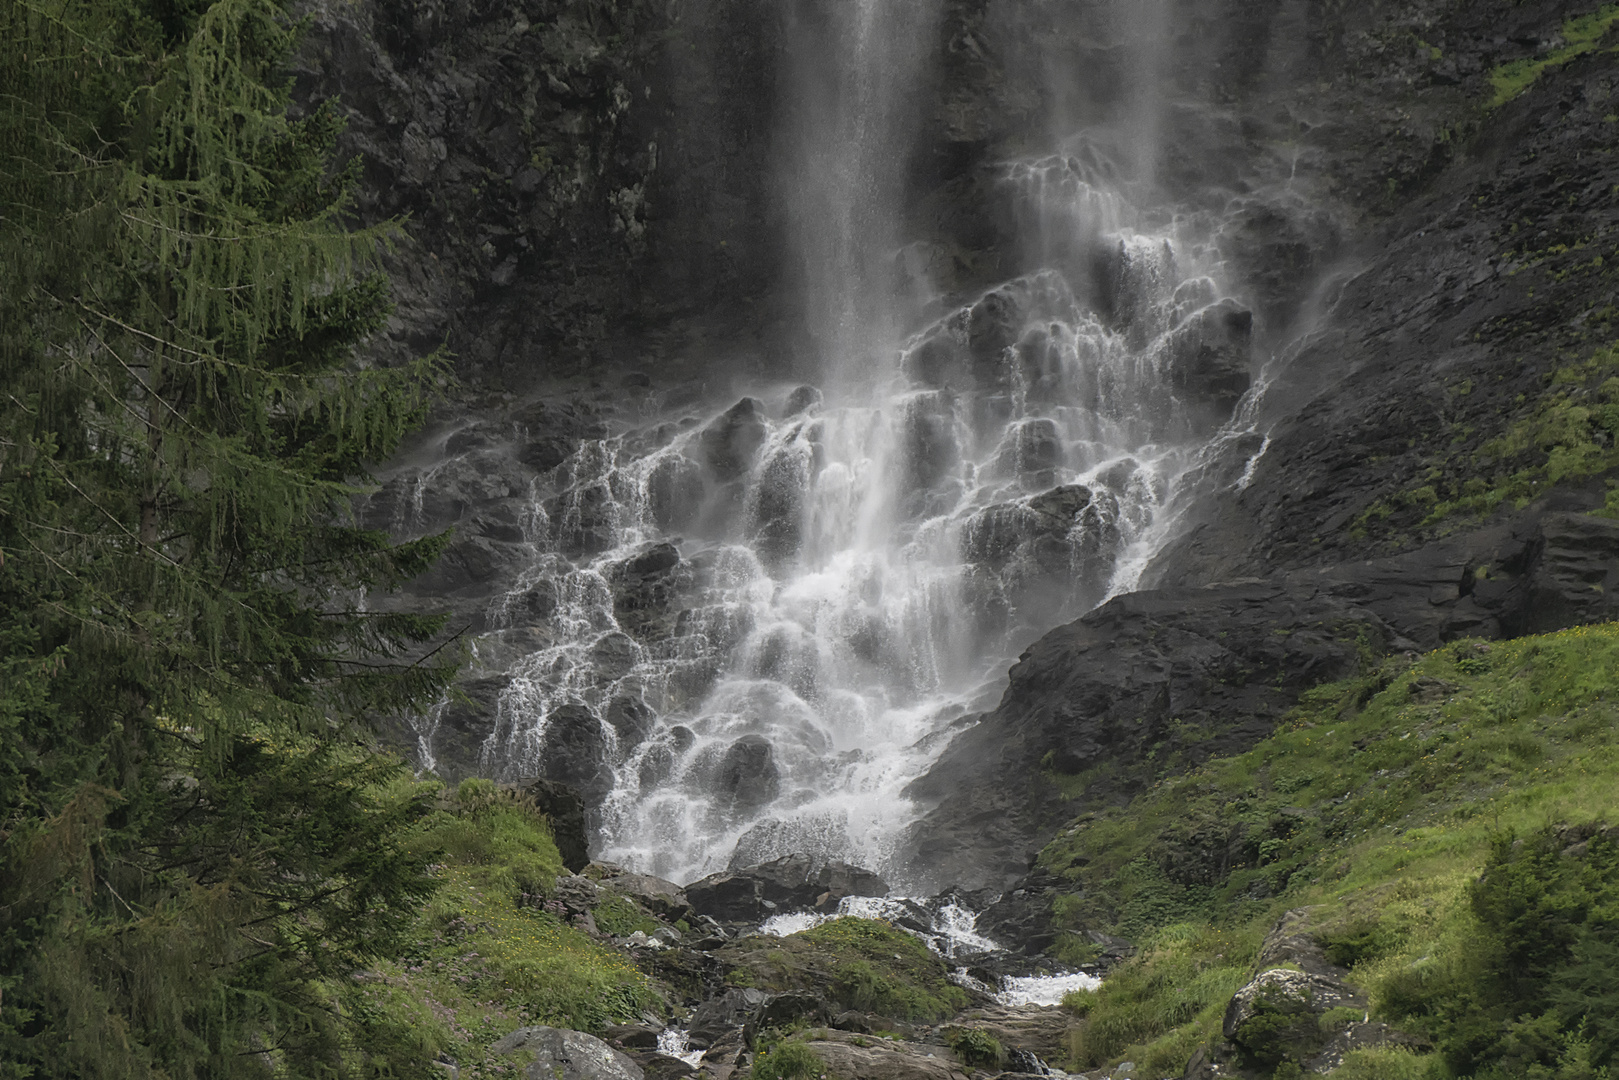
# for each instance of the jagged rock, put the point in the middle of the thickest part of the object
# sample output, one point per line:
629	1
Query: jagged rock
564	807
568	1055
578	894
645	588
1209	357
552	430
801	400
1020	919
463	725
1575	575
1053	532
724	1015
782	1011
632	720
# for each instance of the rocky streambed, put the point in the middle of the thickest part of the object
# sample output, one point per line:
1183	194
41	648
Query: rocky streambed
876	986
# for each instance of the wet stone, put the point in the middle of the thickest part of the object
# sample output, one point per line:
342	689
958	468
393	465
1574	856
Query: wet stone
575	752
748	776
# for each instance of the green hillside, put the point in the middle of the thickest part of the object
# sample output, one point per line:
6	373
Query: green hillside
1440	819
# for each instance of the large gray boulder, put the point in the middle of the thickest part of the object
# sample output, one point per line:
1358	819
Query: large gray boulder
790	883
569	1055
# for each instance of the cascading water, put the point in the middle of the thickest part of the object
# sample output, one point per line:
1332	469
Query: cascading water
762	623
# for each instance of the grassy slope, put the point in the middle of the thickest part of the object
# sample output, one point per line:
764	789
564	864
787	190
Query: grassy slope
1376	806
484	959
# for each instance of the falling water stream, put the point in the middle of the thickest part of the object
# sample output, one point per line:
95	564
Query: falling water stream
856	563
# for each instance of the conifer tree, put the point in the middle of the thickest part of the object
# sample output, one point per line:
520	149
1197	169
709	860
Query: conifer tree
193	836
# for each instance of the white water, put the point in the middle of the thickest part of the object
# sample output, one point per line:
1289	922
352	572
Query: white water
859	566
1044	989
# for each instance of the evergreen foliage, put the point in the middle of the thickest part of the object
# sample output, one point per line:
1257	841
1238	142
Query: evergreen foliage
189	843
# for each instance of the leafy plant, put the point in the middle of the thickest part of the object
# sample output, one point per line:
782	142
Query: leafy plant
790	1060
975	1046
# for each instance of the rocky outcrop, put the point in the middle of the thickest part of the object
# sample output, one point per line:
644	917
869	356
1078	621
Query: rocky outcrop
1291	1014
791	883
564	808
560	1054
1148	681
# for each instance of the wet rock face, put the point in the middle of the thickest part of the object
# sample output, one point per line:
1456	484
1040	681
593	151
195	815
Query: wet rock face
1194	672
729	443
1209	356
645	589
748	777
576	752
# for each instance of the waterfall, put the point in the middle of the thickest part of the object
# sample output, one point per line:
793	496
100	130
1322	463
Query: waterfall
763	619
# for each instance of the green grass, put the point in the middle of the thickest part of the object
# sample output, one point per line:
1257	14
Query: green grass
1376	806
484	960
863	964
1581	35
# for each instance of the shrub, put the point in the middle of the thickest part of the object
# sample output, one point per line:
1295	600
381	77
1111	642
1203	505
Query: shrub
789	1061
975	1046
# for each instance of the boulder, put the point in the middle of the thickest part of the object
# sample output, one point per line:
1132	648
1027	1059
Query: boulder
662	898
569	1055
791	883
1041	1032
645	589
748	776
802	399
885	1059
632	720
727	1014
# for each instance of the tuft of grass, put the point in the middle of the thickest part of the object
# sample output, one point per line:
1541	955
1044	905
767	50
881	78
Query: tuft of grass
1581	35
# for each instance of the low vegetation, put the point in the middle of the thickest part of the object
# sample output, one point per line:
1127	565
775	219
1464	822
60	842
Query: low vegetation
1440	819
481	959
863	964
1568	433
